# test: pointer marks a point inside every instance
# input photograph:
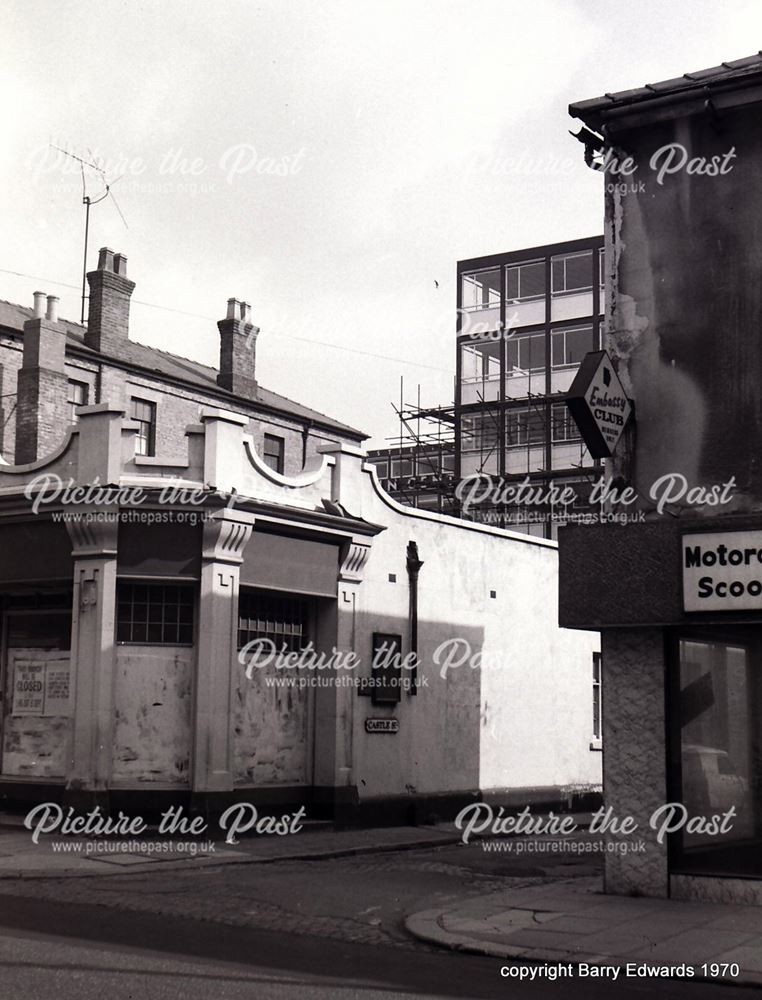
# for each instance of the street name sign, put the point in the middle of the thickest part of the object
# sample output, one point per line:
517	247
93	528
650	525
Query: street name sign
382	725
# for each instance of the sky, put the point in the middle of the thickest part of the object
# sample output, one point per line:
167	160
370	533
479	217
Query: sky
328	161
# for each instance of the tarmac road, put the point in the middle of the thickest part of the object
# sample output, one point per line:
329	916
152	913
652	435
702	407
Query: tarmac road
67	951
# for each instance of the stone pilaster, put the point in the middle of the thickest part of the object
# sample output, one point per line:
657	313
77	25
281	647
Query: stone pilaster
224	541
334	706
94	550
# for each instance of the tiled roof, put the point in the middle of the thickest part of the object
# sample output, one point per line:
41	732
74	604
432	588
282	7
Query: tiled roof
157	362
727	74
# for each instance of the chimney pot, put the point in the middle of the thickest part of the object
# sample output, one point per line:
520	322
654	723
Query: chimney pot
108	316
39	305
52	313
238	335
105	259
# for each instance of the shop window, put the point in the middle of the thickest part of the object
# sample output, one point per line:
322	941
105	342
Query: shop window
273	452
717	750
39	630
78	396
143	412
155	614
278	617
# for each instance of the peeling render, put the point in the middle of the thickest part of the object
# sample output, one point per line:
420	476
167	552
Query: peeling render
153	712
270	730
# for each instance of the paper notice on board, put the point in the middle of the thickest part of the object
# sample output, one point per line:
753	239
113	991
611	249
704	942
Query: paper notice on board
57	687
28	687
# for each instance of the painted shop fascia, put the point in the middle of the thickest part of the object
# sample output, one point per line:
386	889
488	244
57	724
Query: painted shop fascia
677	598
124	623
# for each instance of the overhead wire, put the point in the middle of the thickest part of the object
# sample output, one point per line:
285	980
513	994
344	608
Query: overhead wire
210	319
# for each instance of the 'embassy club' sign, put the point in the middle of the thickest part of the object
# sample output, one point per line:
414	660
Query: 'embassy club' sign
722	571
598	404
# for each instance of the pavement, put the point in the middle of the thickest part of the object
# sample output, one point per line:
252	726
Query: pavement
572	921
560	920
61	856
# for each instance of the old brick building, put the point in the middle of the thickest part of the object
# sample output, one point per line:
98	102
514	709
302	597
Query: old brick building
162	519
59	365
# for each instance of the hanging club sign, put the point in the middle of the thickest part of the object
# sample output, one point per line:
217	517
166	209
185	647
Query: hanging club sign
598	404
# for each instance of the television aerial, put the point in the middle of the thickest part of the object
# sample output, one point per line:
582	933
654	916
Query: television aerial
88	201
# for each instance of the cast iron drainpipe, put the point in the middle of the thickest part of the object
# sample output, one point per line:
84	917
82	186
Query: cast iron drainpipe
413	568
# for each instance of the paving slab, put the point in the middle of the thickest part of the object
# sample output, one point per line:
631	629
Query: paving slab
572	920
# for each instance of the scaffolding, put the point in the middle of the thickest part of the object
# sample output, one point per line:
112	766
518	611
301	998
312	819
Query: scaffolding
508	438
420	458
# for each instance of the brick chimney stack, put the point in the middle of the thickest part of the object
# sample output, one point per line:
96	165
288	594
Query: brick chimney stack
42	388
238	343
108	317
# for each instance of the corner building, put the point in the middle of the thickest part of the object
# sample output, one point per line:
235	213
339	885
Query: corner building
160	516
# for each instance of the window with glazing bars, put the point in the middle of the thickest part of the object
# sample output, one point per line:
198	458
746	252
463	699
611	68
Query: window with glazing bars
525	281
572	272
524	427
273	452
144	414
154	613
280	618
564	427
78	395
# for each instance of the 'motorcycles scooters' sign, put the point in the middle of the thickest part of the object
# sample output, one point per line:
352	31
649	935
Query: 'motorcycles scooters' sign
722	571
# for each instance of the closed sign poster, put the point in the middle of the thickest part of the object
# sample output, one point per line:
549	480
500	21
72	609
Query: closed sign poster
29	687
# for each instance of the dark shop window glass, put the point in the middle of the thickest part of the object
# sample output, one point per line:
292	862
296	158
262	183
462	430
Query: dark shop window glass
154	613
716	725
279	618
